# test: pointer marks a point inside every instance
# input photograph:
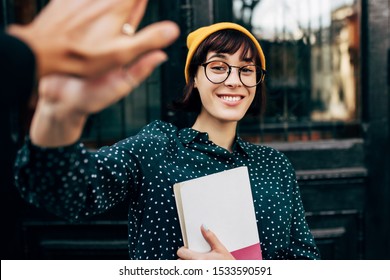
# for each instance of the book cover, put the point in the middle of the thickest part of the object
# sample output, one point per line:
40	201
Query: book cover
223	202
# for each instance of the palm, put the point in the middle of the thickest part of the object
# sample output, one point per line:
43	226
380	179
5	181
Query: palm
66	95
71	94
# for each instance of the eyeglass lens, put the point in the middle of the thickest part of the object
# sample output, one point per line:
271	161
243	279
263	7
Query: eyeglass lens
218	72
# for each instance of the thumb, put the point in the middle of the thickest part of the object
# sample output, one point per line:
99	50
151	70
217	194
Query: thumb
122	81
211	238
186	254
216	245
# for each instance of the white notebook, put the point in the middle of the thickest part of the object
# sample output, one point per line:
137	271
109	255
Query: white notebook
223	202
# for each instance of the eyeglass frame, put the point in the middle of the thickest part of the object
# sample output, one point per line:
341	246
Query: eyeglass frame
263	72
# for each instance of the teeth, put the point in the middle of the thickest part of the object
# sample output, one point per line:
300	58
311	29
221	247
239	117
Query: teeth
231	98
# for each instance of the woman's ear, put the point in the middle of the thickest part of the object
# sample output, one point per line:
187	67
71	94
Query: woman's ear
195	86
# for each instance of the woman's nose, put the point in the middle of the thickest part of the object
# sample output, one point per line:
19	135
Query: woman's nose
233	79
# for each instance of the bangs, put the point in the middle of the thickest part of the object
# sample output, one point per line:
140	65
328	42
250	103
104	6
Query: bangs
228	41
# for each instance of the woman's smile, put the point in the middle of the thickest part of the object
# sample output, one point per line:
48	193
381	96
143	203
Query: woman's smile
230	99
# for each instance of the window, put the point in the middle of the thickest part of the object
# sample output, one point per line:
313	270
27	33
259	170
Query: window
312	52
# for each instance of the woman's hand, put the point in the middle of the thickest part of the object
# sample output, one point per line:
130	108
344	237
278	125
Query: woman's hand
84	38
65	102
217	252
94	63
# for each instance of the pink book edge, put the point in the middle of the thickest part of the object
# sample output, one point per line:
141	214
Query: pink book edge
252	252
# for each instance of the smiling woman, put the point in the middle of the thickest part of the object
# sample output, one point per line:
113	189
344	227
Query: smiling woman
75	183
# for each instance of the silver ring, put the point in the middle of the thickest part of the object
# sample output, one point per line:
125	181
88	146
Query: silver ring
128	29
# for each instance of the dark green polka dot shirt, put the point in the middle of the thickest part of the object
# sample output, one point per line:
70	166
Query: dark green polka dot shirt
75	183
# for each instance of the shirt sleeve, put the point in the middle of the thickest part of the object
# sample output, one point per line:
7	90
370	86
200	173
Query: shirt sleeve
71	181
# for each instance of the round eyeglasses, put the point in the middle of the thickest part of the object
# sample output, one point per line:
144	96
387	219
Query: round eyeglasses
218	71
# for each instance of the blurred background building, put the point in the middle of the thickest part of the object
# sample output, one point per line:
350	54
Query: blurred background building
328	107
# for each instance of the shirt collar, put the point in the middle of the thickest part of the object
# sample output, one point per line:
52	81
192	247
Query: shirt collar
243	145
188	135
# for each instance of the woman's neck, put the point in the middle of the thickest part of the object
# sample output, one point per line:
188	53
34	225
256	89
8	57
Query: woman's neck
220	133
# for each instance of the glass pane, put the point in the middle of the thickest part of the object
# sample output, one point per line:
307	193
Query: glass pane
312	51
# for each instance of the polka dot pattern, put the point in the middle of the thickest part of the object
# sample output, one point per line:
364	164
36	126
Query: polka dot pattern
75	183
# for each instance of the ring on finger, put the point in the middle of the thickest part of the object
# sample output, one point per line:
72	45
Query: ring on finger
128	29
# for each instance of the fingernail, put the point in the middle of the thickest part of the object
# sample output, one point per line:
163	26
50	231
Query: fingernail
205	227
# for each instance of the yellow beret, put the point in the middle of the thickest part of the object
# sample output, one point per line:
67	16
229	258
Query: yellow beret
196	37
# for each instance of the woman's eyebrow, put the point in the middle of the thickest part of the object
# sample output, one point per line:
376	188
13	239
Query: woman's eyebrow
248	59
223	56
218	55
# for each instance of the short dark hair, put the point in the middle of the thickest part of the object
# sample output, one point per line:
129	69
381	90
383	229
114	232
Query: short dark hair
223	41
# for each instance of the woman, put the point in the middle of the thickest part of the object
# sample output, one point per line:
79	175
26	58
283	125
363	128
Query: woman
224	71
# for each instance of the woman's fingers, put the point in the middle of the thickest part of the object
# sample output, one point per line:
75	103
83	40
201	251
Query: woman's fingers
211	238
217	252
137	13
131	76
155	36
186	254
121	51
105	91
86	39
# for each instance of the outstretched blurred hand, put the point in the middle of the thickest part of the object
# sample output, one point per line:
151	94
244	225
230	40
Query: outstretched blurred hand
103	67
84	38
